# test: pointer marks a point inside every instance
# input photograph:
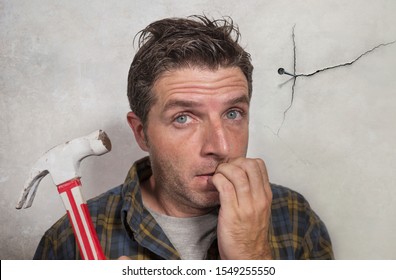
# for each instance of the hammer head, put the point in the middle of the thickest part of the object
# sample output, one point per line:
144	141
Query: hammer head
63	163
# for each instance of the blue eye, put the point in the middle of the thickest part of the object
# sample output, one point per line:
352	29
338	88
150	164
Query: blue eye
232	115
182	119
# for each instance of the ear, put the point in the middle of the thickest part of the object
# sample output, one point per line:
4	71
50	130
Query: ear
137	127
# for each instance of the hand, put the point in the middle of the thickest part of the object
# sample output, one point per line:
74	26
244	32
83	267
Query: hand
124	258
244	217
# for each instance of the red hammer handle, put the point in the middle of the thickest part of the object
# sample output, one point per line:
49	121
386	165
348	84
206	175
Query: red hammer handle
77	211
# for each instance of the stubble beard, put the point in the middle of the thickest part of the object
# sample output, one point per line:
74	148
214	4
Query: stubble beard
176	192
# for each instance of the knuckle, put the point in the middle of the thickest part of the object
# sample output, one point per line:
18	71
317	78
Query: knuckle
249	164
264	206
242	180
259	161
228	188
220	166
239	173
221	182
261	164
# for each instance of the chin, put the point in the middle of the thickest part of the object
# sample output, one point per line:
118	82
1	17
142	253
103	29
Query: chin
209	200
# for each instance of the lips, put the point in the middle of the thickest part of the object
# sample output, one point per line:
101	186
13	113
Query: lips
206	179
207	174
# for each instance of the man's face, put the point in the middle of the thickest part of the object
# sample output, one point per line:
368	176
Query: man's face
200	119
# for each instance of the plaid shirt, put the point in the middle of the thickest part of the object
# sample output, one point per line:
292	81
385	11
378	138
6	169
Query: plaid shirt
126	228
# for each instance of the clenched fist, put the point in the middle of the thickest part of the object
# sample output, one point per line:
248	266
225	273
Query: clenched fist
244	217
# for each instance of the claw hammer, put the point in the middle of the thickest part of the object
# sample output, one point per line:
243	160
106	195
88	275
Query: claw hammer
63	163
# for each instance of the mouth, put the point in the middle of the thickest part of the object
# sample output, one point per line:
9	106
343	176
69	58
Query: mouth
206	175
206	179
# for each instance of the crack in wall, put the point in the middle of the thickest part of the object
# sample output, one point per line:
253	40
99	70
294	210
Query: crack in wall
281	71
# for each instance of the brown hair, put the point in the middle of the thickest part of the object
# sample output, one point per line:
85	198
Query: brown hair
174	43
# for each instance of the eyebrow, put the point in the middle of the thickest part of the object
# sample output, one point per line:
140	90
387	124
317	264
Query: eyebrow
194	104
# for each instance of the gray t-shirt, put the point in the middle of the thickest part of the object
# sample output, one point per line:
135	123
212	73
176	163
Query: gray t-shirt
191	237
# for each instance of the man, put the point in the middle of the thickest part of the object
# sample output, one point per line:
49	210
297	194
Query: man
196	196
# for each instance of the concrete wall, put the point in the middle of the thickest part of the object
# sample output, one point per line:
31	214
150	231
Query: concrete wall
63	74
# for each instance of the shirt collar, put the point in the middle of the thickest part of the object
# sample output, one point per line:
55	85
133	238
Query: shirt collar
137	220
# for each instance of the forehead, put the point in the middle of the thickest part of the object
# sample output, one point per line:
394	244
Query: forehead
200	83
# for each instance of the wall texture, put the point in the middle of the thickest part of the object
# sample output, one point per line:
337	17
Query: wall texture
63	74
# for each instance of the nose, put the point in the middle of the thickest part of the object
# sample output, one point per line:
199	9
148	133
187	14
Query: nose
216	142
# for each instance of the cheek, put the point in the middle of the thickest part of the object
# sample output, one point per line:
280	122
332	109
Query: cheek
169	145
239	139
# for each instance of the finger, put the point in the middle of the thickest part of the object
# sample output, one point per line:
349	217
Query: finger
227	195
239	180
254	174
267	185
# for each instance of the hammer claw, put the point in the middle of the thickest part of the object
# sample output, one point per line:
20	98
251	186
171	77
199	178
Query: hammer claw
34	189
30	189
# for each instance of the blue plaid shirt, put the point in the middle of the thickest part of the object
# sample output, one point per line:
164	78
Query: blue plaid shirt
126	228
